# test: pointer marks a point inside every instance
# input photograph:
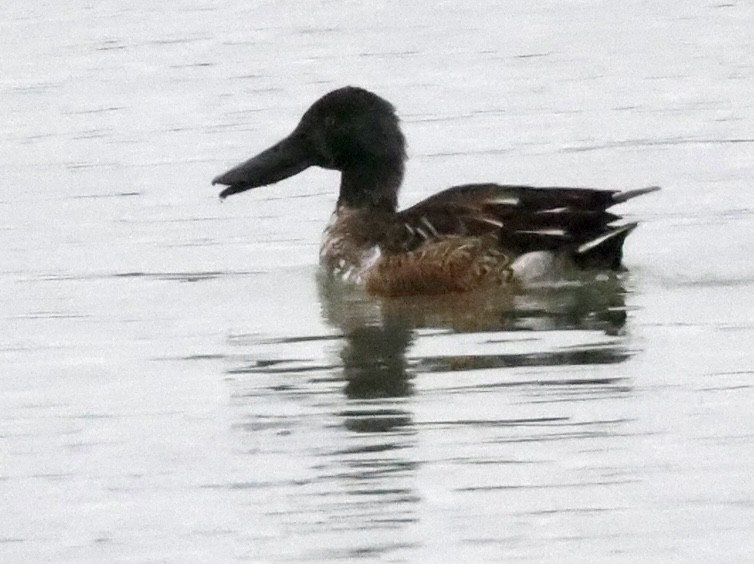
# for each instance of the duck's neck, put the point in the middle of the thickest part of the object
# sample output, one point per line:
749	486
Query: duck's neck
371	185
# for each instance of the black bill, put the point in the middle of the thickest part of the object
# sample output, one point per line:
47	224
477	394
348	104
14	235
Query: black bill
289	157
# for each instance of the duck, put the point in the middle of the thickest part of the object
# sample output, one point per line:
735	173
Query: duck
464	238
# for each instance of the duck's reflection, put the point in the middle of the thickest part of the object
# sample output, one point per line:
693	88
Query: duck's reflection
378	333
374	361
364	481
379	371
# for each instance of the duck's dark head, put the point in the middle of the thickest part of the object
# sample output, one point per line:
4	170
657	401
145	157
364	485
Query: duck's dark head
351	130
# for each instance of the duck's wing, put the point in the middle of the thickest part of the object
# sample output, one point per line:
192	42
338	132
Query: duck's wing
524	218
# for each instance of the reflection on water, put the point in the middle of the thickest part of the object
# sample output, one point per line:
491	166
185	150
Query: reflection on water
590	304
377	333
471	374
374	361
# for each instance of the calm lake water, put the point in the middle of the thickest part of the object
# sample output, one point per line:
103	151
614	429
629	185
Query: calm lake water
179	385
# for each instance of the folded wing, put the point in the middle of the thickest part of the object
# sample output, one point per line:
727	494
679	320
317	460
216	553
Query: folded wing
524	218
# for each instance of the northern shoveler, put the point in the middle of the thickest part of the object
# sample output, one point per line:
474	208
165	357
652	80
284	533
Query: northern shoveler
463	238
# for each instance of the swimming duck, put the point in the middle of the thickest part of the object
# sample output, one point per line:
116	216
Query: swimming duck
463	238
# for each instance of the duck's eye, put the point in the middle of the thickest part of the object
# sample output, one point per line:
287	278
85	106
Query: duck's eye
329	121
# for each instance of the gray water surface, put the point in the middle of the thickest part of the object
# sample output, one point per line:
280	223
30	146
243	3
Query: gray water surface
180	385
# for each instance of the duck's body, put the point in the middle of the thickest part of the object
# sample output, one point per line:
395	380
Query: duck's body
463	238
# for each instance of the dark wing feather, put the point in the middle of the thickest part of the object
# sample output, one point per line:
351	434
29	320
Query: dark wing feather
523	217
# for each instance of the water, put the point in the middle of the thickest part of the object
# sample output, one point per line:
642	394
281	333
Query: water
179	385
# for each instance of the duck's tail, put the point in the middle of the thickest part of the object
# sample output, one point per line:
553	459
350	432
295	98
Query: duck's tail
605	251
625	195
